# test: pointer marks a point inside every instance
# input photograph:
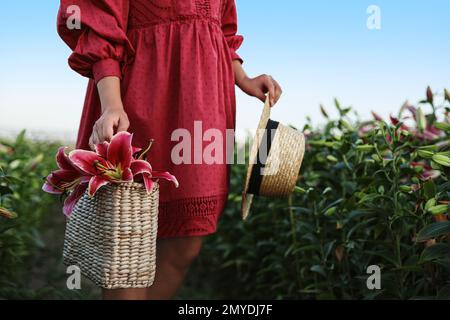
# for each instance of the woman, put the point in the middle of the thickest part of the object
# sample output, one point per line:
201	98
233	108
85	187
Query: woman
157	66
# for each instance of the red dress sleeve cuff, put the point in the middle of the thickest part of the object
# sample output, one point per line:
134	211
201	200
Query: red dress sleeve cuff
235	56
106	68
234	43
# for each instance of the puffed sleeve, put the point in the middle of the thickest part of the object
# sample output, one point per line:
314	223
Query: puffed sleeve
229	28
100	47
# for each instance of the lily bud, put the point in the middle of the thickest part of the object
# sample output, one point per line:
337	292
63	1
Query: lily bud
376	116
332	158
425	153
447	95
365	147
430	204
429	95
405	188
441	159
421	120
439	209
345	124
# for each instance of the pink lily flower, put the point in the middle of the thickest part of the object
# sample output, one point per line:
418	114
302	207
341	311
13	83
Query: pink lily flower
365	129
67	178
144	169
395	121
376	116
427	172
110	163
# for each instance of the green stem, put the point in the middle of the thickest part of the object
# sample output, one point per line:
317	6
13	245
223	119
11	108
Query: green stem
294	241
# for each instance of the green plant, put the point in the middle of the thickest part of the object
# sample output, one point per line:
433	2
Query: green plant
370	193
25	254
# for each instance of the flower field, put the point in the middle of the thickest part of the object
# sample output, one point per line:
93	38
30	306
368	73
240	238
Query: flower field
370	193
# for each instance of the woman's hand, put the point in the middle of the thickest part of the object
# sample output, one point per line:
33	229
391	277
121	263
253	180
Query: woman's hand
257	87
113	118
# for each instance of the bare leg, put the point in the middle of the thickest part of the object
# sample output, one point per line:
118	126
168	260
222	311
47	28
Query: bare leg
124	294
173	258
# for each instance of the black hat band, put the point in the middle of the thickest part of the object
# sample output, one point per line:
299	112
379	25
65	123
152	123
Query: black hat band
256	176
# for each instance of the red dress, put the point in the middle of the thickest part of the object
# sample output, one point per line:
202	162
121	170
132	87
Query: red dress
174	58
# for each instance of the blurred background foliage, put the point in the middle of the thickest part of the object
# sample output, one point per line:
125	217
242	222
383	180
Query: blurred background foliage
370	193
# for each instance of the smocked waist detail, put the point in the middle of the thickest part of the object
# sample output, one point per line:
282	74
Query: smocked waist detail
180	19
144	13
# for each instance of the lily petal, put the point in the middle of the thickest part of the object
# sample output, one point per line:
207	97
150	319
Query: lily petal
120	151
95	183
102	149
64	176
376	116
63	160
148	183
127	176
61	180
429	174
166	176
72	199
51	188
140	166
136	150
85	160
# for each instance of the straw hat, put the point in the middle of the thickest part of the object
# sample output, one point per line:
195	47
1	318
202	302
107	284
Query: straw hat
275	171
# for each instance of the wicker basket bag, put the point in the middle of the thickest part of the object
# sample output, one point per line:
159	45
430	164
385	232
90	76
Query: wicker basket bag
111	237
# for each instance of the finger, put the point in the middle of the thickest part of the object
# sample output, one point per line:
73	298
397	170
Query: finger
123	124
91	143
95	135
278	91
260	95
271	88
99	131
107	132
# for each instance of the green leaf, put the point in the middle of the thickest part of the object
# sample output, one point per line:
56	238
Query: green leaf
434	252
330	212
299	190
434	230
429	189
318	269
20	139
442	126
337	105
5	190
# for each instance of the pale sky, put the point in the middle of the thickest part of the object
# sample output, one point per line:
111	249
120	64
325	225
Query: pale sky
317	50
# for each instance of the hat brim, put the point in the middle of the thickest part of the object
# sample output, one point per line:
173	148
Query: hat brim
247	198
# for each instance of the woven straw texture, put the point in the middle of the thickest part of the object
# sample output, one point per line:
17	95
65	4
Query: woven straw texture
112	236
282	165
257	141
